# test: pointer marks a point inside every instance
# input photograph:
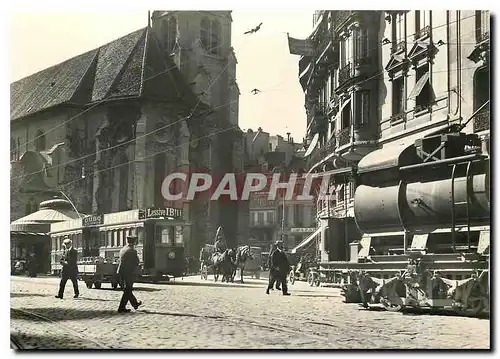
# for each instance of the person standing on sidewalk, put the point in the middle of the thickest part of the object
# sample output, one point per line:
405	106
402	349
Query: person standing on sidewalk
279	268
69	269
127	271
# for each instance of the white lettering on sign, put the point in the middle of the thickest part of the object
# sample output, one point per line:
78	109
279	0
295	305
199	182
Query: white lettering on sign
163	212
302	230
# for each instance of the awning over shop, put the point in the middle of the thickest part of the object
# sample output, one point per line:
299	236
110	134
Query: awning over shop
55	210
398	153
387	157
121	226
24	227
52	211
306	241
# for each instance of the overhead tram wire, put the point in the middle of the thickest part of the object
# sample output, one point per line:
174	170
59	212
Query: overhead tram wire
92	106
174	67
149	133
178	121
182	119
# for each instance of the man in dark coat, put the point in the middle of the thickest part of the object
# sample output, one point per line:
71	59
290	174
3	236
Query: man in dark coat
278	283
127	271
279	268
69	269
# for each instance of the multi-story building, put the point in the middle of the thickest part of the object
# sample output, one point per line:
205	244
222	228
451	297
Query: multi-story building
376	80
107	126
269	155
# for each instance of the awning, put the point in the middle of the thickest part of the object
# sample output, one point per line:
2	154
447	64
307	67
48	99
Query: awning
396	154
387	157
23	227
306	241
313	144
121	226
419	86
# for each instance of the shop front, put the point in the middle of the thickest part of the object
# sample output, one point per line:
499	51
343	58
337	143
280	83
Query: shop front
160	245
30	235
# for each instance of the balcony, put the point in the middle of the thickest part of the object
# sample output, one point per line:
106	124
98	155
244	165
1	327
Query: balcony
344	136
422	33
320	153
482	122
345	74
484	36
398	118
341	17
399	48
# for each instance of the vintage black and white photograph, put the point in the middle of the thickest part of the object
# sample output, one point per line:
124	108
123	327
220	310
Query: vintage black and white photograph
282	178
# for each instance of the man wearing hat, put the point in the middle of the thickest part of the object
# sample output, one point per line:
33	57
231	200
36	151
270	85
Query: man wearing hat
220	242
279	268
69	269
127	271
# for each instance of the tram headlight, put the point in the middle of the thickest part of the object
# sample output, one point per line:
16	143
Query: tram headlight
171	255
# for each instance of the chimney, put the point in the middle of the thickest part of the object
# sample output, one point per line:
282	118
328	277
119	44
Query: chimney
149	18
288	136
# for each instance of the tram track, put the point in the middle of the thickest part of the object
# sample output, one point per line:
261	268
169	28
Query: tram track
18	345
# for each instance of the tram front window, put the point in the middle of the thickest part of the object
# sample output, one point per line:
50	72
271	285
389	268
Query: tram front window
166	235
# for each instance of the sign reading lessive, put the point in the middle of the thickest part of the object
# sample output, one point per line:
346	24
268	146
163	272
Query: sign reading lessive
149	213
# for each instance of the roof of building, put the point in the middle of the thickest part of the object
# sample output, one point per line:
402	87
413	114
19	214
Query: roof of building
131	66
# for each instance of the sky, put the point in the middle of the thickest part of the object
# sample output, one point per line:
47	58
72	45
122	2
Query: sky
40	39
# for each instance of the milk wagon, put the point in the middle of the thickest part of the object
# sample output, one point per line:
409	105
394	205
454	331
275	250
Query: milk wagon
97	270
253	265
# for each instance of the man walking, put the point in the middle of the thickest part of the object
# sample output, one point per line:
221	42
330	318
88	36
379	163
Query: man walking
69	269
127	271
279	268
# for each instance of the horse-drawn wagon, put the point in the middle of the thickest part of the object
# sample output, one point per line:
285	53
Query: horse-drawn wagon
97	270
253	264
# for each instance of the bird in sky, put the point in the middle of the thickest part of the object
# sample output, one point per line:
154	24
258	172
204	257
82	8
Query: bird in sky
255	91
255	29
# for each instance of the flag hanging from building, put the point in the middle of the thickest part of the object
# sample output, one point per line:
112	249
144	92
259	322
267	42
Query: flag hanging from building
299	47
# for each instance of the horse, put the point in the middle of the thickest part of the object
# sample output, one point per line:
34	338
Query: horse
242	254
223	264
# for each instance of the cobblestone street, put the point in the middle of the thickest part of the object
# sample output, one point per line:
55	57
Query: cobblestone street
191	313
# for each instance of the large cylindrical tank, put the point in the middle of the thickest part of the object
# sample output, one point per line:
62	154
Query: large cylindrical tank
422	205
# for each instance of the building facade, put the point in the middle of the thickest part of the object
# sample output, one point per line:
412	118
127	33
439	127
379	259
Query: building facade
375	79
106	127
269	155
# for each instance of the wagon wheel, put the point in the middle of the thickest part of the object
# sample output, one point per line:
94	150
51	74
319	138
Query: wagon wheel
97	285
311	278
89	285
291	277
391	307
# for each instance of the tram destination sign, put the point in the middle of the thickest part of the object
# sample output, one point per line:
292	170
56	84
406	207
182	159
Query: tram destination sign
169	212
93	220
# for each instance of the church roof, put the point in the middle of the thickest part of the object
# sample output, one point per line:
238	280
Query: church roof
132	66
